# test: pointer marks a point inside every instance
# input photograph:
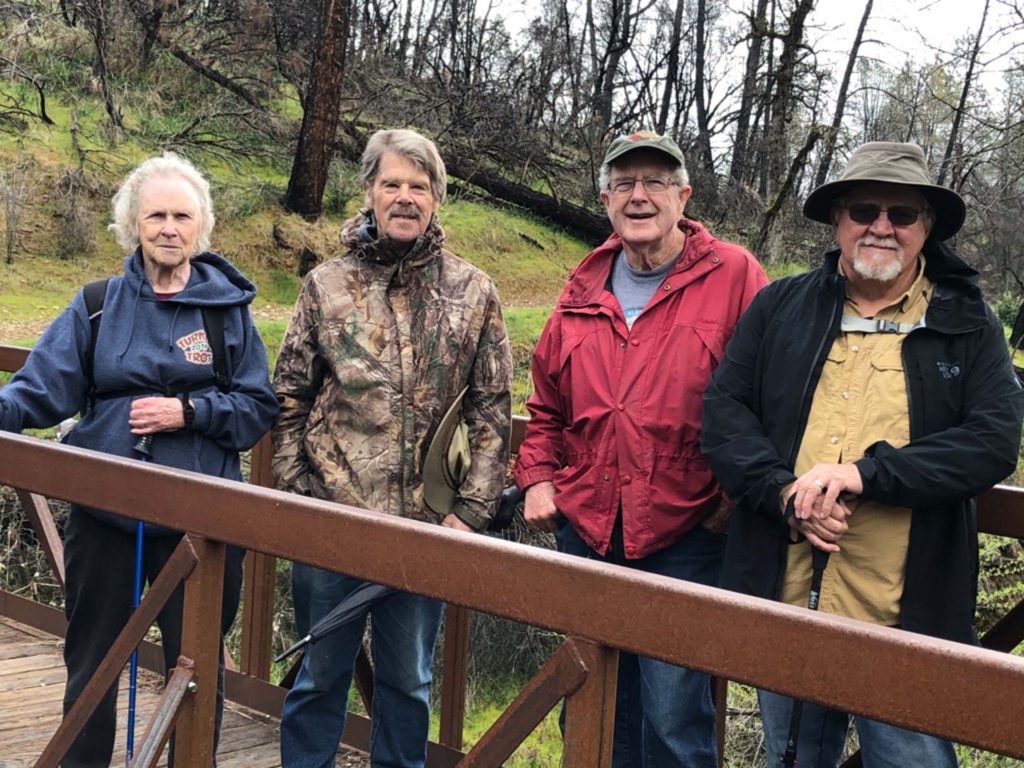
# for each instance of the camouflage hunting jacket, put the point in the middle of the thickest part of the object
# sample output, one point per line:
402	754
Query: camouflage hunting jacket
379	346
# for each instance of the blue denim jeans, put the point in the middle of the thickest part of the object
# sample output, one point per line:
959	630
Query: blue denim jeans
404	629
664	716
823	737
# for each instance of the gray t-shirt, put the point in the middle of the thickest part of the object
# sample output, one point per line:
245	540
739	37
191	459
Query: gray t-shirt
634	287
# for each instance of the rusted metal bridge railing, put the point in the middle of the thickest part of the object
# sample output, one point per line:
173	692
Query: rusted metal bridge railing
971	695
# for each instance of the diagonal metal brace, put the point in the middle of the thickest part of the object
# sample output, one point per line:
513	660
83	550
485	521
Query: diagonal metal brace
561	676
177	568
166	715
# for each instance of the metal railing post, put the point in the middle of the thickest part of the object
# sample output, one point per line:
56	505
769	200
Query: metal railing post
453	684
200	641
260	576
590	711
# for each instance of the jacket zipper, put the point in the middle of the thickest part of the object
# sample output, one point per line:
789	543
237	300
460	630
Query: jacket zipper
804	402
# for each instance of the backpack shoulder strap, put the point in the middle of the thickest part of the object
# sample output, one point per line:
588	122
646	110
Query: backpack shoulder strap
213	324
94	292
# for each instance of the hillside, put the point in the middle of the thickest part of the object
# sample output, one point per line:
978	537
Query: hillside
54	214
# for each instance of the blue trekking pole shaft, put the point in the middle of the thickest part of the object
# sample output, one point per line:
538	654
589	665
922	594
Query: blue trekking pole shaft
144	449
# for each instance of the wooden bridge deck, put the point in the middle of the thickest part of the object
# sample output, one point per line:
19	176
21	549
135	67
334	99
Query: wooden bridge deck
32	679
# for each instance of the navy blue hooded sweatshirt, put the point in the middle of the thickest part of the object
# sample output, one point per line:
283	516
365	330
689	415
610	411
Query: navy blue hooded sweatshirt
152	346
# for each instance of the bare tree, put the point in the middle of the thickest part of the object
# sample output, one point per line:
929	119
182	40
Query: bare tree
14	191
954	132
741	154
825	161
700	87
671	68
95	16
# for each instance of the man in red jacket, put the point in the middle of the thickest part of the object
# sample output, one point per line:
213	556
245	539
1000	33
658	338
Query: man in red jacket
611	459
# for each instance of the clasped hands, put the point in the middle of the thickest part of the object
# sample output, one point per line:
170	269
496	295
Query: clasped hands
820	513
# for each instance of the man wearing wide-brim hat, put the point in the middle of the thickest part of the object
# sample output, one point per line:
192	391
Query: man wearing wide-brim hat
860	408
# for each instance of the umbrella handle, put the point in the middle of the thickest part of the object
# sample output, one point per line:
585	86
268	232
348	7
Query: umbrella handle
294	647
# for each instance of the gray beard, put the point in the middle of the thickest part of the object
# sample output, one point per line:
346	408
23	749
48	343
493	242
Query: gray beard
871	269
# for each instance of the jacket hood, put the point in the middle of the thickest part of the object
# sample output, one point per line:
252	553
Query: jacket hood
213	282
940	264
588	278
956	303
359	237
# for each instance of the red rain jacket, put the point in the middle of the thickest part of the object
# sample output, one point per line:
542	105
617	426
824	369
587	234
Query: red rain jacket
615	413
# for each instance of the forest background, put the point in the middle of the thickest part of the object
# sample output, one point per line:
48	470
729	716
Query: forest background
274	100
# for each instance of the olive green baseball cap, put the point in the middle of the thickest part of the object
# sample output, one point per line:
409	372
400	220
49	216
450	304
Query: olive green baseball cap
643	140
891	162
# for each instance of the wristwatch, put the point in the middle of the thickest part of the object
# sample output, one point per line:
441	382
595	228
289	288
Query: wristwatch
187	410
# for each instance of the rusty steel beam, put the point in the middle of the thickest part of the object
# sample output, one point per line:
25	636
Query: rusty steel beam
970	695
12	358
260	577
518	431
38	512
178	567
453	684
562	675
590	710
720	698
362	674
1001	511
1007	633
161	724
200	641
52	621
48	619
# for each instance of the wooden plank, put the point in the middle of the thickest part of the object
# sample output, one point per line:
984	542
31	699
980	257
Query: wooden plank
22	665
31	703
29	647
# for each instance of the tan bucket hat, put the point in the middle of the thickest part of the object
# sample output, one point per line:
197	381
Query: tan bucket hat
892	163
447	460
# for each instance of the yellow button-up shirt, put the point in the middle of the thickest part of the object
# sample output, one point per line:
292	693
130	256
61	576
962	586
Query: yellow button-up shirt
860	399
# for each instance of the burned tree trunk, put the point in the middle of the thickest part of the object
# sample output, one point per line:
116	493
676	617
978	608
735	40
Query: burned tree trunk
320	111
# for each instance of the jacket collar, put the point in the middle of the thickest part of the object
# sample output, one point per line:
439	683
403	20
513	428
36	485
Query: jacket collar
359	237
588	279
956	303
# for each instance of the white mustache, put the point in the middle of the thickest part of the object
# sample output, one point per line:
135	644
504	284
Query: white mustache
875	242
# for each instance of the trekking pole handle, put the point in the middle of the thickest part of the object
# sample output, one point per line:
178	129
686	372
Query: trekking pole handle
144	447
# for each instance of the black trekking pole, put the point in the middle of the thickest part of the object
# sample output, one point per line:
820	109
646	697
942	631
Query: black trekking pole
819	560
144	448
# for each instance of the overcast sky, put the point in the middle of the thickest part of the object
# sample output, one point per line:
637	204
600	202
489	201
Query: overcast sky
899	29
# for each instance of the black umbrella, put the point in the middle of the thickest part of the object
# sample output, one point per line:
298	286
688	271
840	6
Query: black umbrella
354	606
819	560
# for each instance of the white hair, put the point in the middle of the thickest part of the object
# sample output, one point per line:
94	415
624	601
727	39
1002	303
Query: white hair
125	225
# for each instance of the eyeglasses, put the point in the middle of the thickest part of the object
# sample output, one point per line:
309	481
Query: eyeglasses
623	186
899	215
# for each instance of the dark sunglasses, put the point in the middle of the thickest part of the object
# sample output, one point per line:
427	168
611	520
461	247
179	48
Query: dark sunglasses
899	215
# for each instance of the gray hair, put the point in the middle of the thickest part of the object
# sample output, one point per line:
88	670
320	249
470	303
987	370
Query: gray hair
125	225
420	150
679	176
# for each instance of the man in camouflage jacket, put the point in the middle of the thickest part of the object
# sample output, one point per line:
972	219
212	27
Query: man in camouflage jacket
382	341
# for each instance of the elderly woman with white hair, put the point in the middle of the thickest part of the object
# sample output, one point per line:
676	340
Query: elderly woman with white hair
150	370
